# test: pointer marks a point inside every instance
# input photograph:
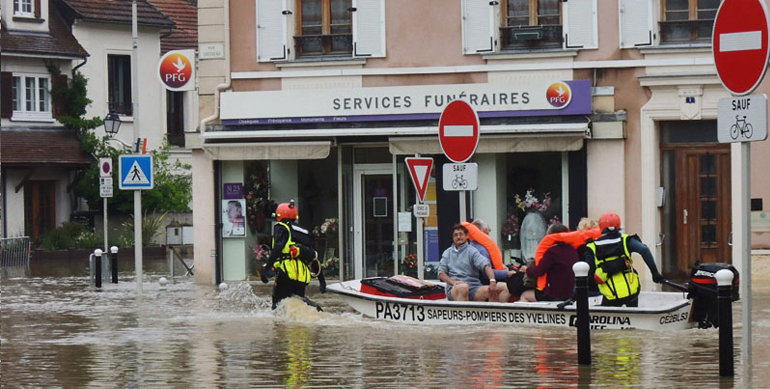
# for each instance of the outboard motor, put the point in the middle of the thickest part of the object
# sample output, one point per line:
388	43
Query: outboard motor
703	290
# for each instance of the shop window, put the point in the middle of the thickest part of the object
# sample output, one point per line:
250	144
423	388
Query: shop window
687	20
119	84
324	28
31	97
175	118
531	23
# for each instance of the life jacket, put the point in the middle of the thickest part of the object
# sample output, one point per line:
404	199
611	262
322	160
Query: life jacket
295	268
615	273
572	238
476	235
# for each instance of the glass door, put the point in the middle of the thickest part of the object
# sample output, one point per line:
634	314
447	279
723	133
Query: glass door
374	239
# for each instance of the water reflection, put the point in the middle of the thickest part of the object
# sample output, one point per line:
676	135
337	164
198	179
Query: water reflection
59	332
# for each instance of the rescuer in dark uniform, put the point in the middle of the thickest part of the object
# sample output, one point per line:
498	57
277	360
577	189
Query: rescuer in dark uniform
293	257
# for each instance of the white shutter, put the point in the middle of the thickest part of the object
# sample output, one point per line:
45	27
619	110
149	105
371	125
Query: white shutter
369	28
580	24
271	30
478	26
635	23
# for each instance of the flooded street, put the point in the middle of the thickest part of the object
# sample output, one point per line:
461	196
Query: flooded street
60	332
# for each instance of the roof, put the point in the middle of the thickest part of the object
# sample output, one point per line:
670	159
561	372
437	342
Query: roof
42	147
185	16
117	12
59	41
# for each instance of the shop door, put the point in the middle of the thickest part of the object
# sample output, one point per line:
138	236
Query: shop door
703	206
373	225
39	207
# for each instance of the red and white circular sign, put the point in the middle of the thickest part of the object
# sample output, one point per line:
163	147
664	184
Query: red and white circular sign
458	131
740	44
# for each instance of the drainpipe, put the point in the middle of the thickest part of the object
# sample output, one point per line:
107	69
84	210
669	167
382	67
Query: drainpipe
75	69
226	84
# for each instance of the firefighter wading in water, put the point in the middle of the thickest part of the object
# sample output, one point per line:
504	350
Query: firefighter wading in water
293	257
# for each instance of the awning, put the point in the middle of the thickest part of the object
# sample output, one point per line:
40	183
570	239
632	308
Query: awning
505	139
268	150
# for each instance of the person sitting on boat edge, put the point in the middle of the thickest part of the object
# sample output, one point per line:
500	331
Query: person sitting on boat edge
612	267
293	256
459	269
557	264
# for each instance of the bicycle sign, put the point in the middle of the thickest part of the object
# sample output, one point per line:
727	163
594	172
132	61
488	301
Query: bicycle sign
460	176
742	119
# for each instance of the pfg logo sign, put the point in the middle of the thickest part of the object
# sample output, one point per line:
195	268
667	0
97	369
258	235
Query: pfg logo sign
559	94
176	70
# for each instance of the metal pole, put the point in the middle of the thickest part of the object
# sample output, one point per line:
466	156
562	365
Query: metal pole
114	263
583	325
741	209
135	101
98	268
725	299
463	213
105	225
420	249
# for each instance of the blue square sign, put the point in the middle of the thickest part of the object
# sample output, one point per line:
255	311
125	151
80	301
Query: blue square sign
136	172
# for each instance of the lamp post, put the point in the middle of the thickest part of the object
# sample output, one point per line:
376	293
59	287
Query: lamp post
135	102
111	127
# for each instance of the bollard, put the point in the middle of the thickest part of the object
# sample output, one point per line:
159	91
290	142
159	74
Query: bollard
114	263
724	308
98	268
583	322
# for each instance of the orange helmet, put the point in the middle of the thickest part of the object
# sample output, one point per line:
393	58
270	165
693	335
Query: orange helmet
286	211
609	219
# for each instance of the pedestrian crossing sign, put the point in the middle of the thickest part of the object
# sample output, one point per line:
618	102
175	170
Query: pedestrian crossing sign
136	172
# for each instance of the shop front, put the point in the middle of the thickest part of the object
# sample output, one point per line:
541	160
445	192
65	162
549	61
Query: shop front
340	155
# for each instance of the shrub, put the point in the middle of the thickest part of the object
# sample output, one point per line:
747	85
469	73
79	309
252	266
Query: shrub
62	237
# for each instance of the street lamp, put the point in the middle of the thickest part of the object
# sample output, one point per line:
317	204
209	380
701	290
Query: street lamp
112	124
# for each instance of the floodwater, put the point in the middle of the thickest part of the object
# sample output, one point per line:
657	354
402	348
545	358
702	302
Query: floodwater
57	331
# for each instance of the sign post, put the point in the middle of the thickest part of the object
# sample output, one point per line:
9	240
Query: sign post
741	51
419	170
136	173
458	133
105	189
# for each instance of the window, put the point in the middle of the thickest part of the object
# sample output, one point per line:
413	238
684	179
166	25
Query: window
324	27
119	85
31	97
531	23
688	20
23	8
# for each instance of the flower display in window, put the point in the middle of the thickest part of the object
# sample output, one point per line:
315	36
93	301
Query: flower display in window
330	226
409	264
530	203
331	267
258	205
511	226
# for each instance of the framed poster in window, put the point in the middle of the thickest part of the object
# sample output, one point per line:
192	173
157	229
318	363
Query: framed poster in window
380	206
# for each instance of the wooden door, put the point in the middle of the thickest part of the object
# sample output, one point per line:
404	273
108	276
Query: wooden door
39	207
703	209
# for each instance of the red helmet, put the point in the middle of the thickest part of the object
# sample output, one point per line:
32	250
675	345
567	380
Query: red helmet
609	219
286	211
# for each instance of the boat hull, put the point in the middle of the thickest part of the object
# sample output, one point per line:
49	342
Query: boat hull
658	311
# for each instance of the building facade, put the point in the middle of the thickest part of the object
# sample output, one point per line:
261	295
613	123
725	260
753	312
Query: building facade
586	106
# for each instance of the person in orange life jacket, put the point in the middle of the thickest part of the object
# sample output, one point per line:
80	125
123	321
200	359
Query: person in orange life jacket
611	266
293	257
557	265
500	275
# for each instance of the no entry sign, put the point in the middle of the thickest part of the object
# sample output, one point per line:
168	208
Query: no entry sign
458	131
740	44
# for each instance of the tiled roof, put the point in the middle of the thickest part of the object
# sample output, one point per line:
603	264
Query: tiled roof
118	11
41	147
185	16
58	42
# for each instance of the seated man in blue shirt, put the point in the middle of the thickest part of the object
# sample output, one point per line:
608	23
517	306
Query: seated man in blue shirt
459	269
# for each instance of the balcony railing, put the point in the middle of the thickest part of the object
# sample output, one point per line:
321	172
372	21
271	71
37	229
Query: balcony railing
529	37
678	31
320	45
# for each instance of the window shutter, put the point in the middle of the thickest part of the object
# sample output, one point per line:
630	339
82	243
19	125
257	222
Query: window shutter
58	103
15	6
635	23
369	28
6	94
37	9
478	26
580	24
271	30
